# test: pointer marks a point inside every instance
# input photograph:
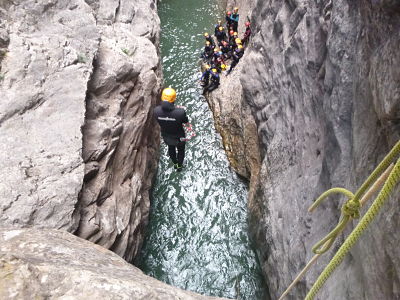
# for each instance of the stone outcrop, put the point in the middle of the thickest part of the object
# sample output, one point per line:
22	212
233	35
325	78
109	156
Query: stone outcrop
53	264
120	139
322	82
78	80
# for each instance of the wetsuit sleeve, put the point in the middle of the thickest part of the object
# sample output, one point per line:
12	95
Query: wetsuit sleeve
185	118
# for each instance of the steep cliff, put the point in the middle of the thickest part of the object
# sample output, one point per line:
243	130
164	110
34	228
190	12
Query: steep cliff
53	264
322	82
78	80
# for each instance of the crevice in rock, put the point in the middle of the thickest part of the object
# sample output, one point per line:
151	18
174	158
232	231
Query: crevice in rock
76	215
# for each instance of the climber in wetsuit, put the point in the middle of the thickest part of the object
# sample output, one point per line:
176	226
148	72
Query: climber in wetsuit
171	120
235	18
228	20
205	77
209	39
221	35
236	56
215	80
217	26
247	34
208	51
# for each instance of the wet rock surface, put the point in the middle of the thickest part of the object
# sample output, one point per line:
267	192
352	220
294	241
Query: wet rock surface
78	81
321	81
53	264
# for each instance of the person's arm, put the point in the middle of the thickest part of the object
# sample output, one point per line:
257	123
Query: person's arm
185	118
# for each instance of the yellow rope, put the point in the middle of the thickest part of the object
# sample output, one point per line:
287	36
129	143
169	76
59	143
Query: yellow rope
351	210
377	185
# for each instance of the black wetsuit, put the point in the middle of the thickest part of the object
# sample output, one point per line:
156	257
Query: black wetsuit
221	36
205	78
217	26
171	119
236	56
226	50
208	52
210	39
228	22
214	82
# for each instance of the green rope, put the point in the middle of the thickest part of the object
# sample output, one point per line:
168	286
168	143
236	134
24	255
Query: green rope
339	228
351	210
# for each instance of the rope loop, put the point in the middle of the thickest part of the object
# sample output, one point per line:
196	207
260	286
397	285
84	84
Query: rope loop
352	209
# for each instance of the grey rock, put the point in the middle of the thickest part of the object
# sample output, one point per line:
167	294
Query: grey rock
322	82
235	123
53	264
77	139
120	135
45	70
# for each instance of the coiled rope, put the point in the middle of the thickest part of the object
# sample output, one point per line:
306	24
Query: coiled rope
385	174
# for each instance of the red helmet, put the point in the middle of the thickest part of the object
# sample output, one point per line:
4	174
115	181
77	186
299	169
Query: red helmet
229	13
231	32
247	24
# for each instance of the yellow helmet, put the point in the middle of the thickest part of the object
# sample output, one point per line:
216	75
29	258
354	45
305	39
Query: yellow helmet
208	43
235	33
206	34
240	47
221	28
236	9
169	95
223	67
207	67
238	41
214	70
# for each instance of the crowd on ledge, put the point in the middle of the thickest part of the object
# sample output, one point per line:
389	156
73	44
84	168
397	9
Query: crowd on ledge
225	45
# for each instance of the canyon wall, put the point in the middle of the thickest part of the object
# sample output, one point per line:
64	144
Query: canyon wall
78	146
321	79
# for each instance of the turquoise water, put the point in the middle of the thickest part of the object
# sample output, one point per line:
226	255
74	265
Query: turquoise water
197	236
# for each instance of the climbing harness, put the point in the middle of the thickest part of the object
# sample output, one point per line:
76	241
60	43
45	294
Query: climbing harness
189	132
385	174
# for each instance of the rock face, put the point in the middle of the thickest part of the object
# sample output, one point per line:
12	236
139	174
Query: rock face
322	82
78	80
233	117
53	264
120	139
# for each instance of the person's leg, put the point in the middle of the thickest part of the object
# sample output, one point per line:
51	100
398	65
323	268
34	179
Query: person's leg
172	153
181	153
212	87
233	65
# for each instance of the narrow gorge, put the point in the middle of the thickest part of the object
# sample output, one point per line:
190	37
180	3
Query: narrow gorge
86	188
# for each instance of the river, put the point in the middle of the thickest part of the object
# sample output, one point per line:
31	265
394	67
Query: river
198	234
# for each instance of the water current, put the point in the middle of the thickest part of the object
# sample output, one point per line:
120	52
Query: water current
198	234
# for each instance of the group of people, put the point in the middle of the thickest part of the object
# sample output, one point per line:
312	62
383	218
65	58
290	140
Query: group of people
224	45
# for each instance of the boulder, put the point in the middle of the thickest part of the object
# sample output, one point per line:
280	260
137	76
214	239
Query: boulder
54	264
